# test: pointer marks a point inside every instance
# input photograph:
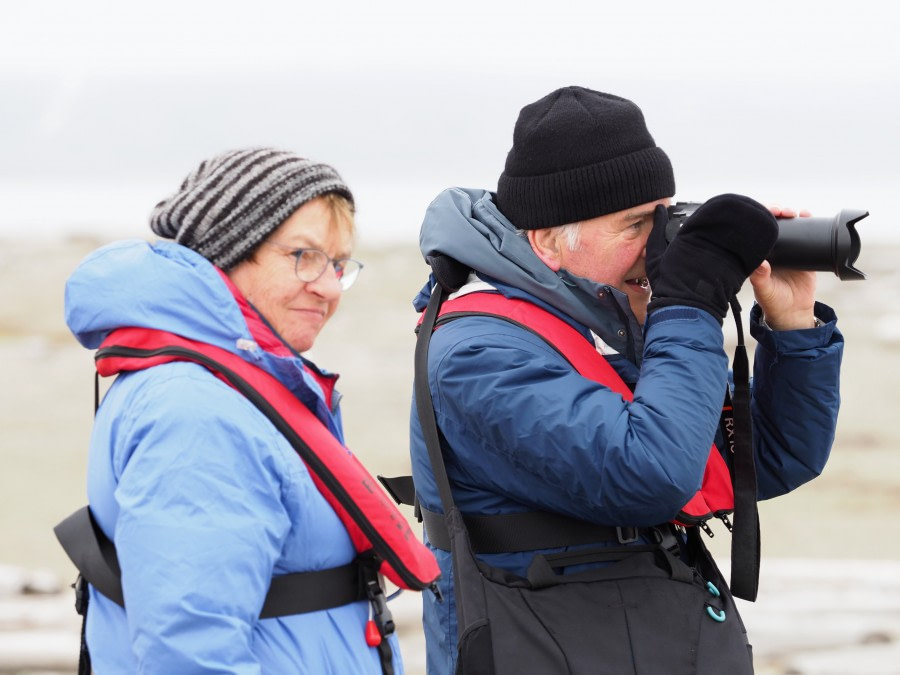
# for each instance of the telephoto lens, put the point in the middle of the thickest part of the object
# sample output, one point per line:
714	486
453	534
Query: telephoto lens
816	244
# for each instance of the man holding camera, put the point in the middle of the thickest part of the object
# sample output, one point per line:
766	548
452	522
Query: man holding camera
576	229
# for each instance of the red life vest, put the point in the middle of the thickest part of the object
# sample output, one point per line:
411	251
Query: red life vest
374	523
716	494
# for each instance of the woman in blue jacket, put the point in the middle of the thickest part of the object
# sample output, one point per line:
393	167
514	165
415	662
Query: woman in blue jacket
204	498
568	231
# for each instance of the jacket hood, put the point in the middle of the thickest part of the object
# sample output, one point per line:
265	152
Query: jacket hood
161	285
169	287
466	225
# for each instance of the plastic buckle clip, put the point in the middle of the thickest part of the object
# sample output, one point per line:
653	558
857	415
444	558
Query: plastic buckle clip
664	536
81	595
626	535
381	614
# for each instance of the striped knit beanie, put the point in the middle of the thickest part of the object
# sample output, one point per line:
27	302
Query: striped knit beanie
229	204
578	154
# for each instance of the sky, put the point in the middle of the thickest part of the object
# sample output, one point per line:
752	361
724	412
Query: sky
106	106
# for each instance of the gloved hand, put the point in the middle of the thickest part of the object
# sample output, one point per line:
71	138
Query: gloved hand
717	248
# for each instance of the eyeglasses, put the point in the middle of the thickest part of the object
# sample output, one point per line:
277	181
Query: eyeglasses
311	263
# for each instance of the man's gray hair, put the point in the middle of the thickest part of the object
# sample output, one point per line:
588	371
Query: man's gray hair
571	231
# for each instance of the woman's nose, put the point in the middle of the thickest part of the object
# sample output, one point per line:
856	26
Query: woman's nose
327	284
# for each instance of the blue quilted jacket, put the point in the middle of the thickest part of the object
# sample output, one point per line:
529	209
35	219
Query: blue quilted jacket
524	431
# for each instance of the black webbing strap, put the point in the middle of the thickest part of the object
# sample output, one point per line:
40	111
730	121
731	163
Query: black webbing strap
745	538
92	553
528	531
95	557
402	490
304	592
511	532
424	402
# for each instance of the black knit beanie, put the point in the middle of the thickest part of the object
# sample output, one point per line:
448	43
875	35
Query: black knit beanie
578	154
230	203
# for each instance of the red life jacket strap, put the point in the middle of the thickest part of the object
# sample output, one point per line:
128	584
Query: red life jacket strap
372	520
559	334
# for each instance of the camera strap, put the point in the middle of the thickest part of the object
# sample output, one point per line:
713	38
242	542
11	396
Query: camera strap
745	541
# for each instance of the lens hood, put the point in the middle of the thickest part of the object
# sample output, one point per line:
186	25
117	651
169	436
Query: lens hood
816	244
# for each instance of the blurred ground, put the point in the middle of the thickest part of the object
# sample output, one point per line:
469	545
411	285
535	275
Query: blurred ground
830	538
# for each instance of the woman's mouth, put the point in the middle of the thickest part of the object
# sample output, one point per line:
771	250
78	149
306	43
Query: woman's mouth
640	282
311	311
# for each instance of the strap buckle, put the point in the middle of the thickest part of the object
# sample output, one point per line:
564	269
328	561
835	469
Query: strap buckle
665	536
381	613
627	534
81	595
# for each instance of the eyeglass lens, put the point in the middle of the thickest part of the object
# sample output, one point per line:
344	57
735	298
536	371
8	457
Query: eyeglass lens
312	263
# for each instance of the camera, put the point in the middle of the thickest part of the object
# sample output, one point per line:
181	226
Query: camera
817	244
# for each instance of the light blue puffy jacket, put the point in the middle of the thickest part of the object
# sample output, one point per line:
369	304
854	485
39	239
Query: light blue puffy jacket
204	499
524	431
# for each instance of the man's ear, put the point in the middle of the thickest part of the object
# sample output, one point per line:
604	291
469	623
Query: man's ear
545	244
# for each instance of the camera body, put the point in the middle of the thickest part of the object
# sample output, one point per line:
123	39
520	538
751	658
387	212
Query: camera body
817	244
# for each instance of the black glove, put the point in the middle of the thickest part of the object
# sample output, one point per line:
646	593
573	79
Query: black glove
717	248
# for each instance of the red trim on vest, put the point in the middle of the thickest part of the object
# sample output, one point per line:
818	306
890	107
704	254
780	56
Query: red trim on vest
716	494
371	518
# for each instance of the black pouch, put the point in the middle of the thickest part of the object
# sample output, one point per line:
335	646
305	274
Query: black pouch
645	612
